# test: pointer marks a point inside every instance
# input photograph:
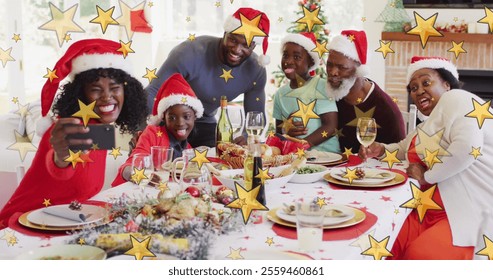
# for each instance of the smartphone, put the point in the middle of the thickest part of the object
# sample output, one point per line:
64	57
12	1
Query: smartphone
102	135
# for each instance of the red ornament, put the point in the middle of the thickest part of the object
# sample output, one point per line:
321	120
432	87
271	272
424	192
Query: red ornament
193	191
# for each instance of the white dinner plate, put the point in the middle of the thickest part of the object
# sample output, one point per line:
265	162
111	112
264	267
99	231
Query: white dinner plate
64	252
321	157
328	221
372	176
93	213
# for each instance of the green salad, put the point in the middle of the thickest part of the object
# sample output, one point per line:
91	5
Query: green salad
309	169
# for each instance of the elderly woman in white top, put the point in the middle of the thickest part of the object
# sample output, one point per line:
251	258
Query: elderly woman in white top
451	156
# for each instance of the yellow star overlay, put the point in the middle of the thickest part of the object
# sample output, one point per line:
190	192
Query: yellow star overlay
488	248
150	4
23	110
12	241
9	237
263	174
305	111
188	19
363	242
431	158
85	159
104	18
184	100
62	22
338	133
321	202
272	133
359	100
50	74
67	38
81	241
125	48
217	4
310	18
476	152
488	18
74	158
46	202
395	100
425	28
162	187
360	114
385	48
270	241
5	56
140	249
159	133
481	112
235	254
226	75
191	37
246	201
363	19
348	152
94	146
115	152
457	48
22	144
325	134
16	37
350	174
86	112
280	19
15	100
421	201
124	19
391	158
249	28
378	249
300	152
430	142
138	175
150	74
321	48
200	157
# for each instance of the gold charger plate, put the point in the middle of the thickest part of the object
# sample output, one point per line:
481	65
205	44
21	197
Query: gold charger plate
25	222
399	178
359	216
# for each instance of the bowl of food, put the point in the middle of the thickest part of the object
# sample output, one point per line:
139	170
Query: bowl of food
309	173
64	252
229	177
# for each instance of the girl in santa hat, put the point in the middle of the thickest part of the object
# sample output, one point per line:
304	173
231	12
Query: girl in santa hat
96	72
299	63
173	116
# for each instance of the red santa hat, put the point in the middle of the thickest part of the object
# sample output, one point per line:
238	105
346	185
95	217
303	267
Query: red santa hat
233	22
175	90
308	41
81	56
352	44
432	62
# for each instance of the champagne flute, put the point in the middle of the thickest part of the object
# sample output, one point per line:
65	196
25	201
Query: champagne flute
141	169
255	123
366	131
237	119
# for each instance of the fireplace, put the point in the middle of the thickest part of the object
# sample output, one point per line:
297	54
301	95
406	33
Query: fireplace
479	82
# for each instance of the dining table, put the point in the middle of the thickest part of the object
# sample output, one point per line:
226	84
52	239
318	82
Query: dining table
375	228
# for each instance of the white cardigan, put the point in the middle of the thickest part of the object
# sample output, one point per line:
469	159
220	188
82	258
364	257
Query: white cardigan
465	183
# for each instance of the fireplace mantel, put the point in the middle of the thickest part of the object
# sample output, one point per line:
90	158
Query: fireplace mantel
447	37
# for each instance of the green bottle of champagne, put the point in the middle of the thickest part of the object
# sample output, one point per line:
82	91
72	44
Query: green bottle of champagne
224	129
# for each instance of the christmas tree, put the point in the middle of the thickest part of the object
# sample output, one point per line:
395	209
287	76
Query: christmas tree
321	33
395	16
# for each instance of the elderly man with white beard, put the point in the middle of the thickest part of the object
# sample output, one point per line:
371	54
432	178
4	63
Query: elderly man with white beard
355	95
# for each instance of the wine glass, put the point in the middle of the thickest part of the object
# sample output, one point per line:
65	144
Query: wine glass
237	119
141	169
366	131
255	123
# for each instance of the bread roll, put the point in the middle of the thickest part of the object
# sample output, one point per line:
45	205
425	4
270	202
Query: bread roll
266	150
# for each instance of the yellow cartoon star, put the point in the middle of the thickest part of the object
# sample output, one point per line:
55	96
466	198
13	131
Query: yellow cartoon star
81	241
249	28
188	19
191	37
360	114
124	19
350	174
310	18
50	74
104	18
488	248
481	112
46	202
351	38
235	254
338	133
378	249
476	152
300	152
62	22
348	152
270	241
272	133
184	100
263	174
200	157
15	100
138	175
150	74
431	158
280	19
5	56
8	235
115	152
226	75
305	111
150	4
12	241
321	202
23	110
140	249
22	144
391	158
430	142
321	48
457	48
325	134
286	124
16	37
159	133
74	158
246	201
425	28
67	38
217	4
86	112
125	48
488	18
94	146
385	48
422	201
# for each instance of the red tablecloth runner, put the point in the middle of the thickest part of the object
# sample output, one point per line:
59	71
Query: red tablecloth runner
332	234
342	187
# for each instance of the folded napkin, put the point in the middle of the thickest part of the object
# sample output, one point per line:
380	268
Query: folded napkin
67	213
